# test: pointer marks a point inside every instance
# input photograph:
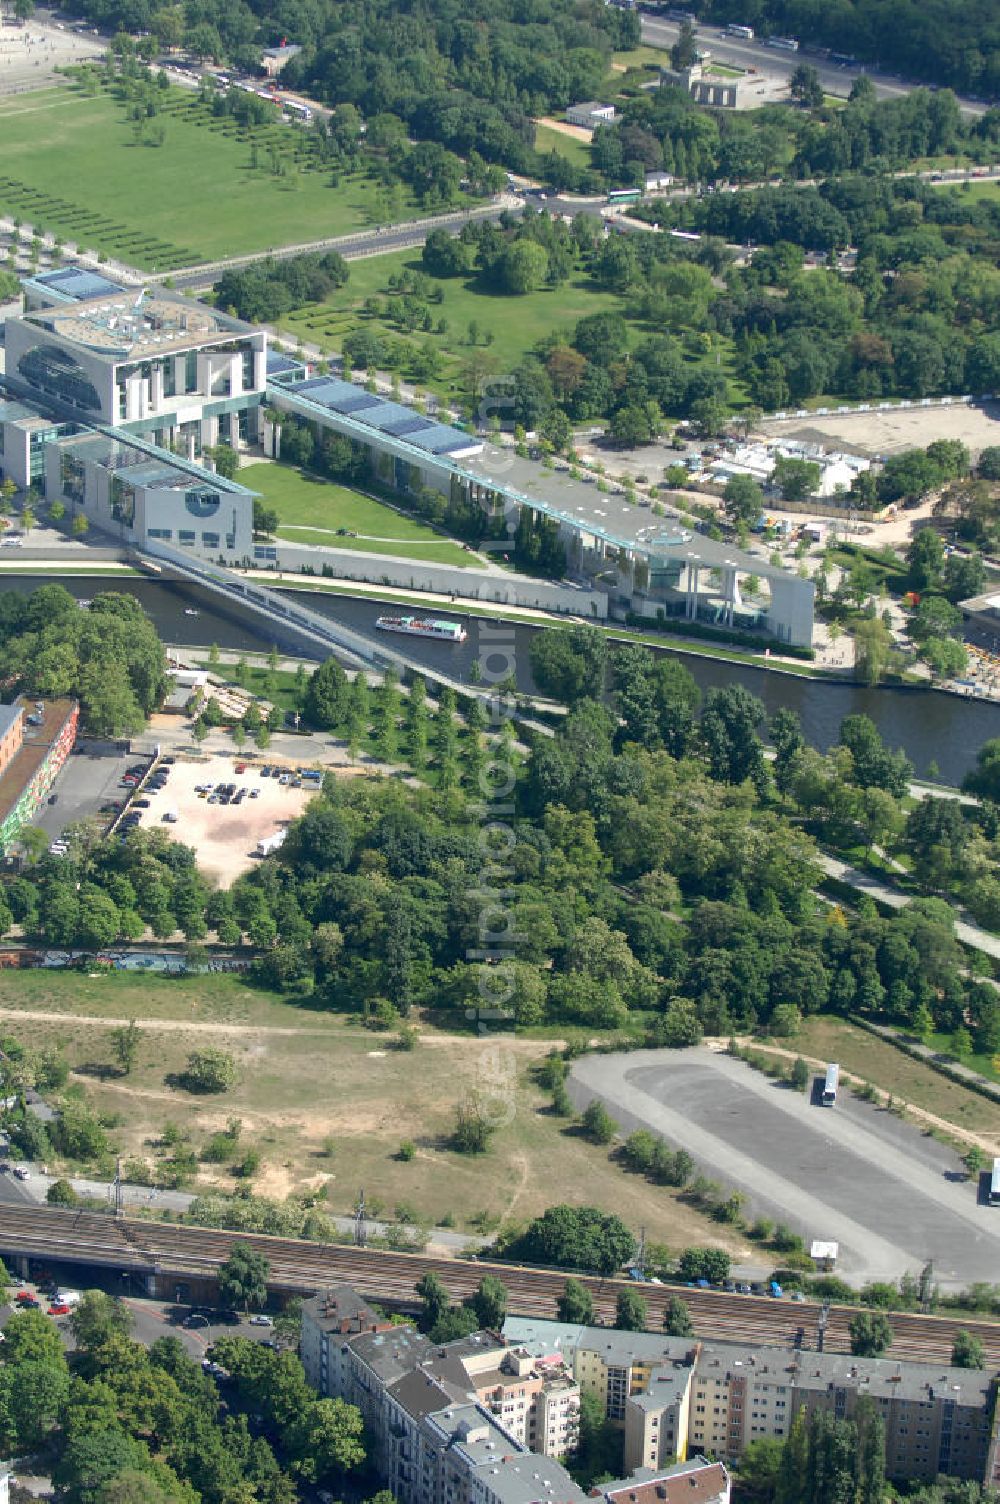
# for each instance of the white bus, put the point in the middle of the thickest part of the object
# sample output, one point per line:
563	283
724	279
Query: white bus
782	44
746	32
995	1184
830	1085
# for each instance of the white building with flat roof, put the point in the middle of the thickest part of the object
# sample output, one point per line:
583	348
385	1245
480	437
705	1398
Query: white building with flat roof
149	362
590	114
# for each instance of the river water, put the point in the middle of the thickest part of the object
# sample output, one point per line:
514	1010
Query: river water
929	725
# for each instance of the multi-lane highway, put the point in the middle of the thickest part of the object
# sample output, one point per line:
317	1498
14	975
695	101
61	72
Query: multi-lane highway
165	1252
739	53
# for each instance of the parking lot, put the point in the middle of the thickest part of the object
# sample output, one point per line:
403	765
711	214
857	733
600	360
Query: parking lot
891	1197
224	836
86	781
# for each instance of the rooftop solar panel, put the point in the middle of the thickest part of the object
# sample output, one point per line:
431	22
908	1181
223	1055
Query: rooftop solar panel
388	414
444	440
77	282
405	427
360	402
278	363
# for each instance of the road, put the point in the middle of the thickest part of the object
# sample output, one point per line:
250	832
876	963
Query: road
741	54
375	242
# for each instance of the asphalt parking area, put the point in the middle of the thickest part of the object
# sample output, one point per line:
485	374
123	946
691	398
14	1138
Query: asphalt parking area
85	782
889	1196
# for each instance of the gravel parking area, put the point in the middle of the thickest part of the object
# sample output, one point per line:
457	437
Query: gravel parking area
891	1197
224	836
896	429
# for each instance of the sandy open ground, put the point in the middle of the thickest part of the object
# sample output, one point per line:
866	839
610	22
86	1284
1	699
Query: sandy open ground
29	55
224	836
575	132
888	432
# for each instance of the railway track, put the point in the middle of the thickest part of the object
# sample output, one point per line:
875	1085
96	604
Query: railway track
304	1268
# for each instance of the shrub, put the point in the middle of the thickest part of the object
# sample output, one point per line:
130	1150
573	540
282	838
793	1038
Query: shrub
209	1071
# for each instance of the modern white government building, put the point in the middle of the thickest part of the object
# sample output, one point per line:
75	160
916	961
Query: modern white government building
110	397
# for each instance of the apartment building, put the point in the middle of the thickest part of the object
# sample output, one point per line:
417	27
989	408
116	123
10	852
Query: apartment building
615	1367
338	1313
38	738
697	1482
475	1421
674	1397
389	1372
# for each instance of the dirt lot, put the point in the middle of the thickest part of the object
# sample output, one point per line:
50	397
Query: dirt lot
326	1103
225	836
878	433
575	132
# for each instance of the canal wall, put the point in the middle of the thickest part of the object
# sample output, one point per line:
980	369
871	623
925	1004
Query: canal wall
490	587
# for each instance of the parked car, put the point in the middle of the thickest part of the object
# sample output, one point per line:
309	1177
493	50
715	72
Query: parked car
60	1310
261	1320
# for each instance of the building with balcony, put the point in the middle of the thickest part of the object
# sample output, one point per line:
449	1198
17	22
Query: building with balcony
327	1320
475	1421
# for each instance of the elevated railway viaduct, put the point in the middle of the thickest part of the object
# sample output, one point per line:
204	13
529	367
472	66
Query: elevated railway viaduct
162	1256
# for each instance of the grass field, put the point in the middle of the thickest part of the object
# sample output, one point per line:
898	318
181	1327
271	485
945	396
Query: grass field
643	57
508	328
862	1054
307	1078
577	152
311	510
69	164
514	324
988	189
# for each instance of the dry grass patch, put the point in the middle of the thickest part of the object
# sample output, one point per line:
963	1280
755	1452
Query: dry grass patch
327	1103
862	1054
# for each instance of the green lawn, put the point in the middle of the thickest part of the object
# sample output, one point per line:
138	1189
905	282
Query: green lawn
643	57
310	510
507	327
515	324
988	189
69	163
577	152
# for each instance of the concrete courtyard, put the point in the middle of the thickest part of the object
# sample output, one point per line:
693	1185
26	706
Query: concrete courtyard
890	1196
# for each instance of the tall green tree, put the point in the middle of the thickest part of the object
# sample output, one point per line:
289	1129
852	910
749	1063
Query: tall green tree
575	1304
243	1278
